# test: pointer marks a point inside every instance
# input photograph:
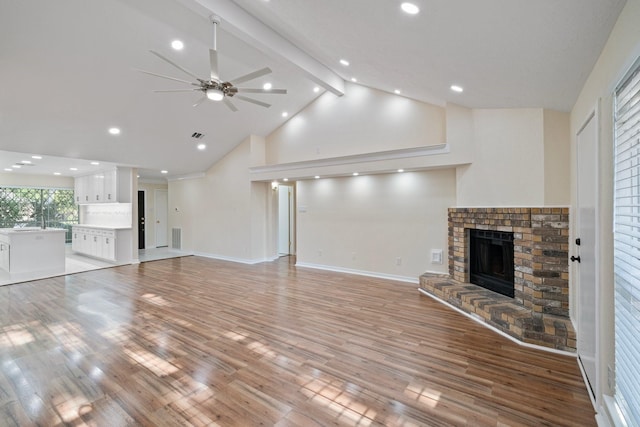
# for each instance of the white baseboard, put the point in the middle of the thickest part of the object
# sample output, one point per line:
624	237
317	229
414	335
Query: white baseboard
413	280
493	328
233	259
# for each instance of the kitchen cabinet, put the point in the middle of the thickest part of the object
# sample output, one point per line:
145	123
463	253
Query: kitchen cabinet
112	244
108	186
32	249
4	256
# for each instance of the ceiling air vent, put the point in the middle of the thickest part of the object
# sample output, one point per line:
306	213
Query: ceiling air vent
197	135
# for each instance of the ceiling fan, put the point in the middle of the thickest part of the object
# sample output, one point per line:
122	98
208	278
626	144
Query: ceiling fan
215	88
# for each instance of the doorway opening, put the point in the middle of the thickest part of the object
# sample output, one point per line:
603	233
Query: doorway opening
286	220
141	216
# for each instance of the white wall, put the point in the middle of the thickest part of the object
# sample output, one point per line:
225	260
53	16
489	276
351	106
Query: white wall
223	214
508	162
365	223
518	157
364	120
44	181
621	50
557	150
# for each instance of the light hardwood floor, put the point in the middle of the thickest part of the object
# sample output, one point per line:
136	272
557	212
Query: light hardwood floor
195	341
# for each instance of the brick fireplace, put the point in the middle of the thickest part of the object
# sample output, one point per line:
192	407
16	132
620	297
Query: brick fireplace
539	311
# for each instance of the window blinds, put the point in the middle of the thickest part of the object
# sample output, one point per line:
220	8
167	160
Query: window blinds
627	247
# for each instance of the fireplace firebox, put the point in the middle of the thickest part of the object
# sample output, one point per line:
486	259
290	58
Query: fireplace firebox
491	260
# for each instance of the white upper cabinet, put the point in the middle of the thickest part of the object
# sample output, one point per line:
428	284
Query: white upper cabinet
109	186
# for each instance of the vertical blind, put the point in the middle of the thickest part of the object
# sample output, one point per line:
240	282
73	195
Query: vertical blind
627	247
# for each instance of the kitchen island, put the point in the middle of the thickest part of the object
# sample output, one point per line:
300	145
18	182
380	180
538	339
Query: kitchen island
28	250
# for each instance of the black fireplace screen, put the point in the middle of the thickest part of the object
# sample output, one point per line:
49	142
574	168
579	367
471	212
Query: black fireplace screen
491	260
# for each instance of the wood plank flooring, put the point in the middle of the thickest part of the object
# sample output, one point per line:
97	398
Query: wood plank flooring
195	341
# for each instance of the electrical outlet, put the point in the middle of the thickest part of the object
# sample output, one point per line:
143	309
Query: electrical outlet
353	256
319	252
436	256
398	261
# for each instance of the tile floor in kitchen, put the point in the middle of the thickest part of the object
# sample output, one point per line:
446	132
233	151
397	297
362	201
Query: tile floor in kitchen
75	263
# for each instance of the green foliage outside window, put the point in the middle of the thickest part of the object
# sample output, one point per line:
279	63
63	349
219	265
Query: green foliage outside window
28	207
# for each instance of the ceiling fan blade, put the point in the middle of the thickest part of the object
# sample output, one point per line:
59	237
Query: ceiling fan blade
174	90
253	101
199	101
165	77
184	70
251	76
213	59
229	104
273	91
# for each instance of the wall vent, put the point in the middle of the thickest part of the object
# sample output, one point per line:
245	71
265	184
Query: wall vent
197	135
176	238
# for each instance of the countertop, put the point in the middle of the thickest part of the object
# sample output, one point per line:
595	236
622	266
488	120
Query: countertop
30	230
101	227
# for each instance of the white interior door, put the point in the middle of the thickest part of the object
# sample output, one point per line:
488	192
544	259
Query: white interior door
162	208
586	249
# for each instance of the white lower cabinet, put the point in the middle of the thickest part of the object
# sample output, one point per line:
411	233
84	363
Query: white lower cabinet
107	245
99	243
4	256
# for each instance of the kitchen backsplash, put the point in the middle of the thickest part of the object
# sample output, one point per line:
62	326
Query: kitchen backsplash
107	214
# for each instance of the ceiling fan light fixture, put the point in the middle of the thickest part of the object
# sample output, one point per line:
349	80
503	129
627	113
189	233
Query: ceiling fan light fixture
410	8
215	94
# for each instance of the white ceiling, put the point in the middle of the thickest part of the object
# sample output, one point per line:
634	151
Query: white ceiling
67	67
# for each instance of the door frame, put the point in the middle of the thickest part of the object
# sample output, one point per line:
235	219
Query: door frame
595	391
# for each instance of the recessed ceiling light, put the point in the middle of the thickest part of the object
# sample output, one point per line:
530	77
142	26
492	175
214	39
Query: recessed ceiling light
164	172
456	88
410	8
16	166
317	177
353	79
177	45
316	89
8	170
36	157
356	174
114	131
202	146
137	176
56	173
344	62
95	163
397	91
73	169
285	114
267	86
26	162
400	170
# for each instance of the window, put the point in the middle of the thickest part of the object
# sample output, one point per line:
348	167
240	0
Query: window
627	247
28	207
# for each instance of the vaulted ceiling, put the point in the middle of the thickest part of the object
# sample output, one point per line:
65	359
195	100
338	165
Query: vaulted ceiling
67	68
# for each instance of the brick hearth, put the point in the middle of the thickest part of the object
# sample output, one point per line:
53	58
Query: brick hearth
539	312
